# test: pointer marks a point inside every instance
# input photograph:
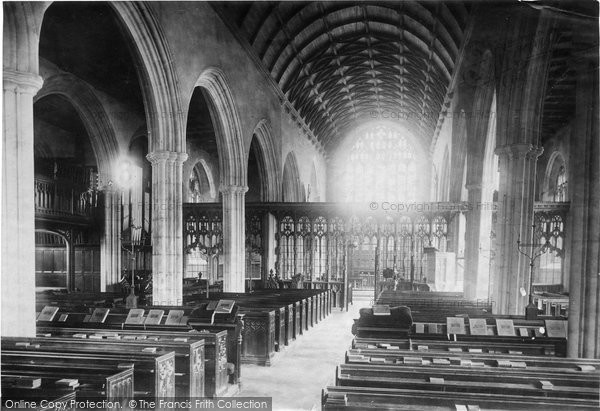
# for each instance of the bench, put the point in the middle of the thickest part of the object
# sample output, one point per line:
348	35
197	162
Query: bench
154	374
216	378
189	356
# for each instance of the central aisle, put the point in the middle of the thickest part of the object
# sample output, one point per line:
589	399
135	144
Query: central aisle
307	365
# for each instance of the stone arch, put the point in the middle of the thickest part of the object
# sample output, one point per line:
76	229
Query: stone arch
93	115
203	163
226	121
555	162
158	79
21	28
293	189
158	76
267	161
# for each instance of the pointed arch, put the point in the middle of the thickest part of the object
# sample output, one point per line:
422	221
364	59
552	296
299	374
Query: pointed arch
92	113
267	161
293	189
226	121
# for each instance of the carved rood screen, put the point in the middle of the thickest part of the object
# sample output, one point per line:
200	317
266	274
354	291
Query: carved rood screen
316	239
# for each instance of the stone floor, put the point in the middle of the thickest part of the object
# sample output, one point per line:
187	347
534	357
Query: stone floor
306	366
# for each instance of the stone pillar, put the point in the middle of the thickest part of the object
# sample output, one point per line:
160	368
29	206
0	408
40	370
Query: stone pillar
234	234
167	227
110	243
471	271
269	244
515	218
18	204
584	217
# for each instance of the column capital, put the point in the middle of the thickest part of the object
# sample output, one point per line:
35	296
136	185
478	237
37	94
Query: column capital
520	150
156	157
232	189
22	81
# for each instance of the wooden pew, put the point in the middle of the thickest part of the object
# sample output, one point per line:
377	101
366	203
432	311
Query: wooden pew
189	356
216	380
53	399
578	366
458	346
362	398
466	380
115	386
154	374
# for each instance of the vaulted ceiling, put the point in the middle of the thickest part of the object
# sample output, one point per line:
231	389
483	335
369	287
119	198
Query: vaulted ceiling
341	63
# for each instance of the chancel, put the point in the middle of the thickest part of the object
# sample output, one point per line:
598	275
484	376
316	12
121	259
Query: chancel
361	205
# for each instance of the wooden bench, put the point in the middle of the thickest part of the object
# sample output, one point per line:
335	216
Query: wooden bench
154	374
216	378
579	366
466	380
189	356
362	398
115	386
52	398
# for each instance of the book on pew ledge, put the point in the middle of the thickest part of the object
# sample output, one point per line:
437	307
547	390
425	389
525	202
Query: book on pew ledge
523	332
68	382
48	313
129	337
477	326
174	317
22	382
546	385
125	365
22	344
465	363
503	363
96	337
358	358
382	345
515	352
413	360
149	349
393	347
585	367
135	316
180	339
441	361
556	328
455	349
505	327
80	335
154	316
99	315
419	328
378	360
436	380
381	309
455	325
63	318
422	347
518	364
475	350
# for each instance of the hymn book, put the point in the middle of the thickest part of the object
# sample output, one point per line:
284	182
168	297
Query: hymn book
174	317
224	307
99	315
556	328
135	316
505	327
154	316
455	325
477	326
381	309
48	313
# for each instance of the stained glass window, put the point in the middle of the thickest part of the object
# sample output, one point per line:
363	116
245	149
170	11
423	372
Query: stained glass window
381	166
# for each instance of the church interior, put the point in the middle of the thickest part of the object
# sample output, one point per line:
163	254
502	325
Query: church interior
301	205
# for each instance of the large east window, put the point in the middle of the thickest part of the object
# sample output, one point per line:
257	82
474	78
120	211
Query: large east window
381	166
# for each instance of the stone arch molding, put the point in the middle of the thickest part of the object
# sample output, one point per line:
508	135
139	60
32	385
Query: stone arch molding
94	117
271	181
158	79
293	189
225	119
